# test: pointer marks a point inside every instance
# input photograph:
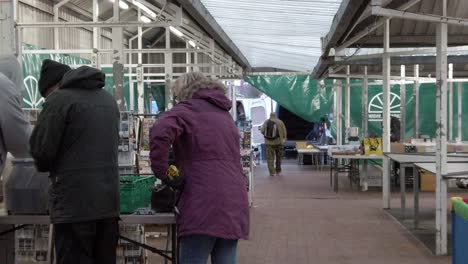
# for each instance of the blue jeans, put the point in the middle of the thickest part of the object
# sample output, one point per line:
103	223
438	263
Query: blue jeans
195	249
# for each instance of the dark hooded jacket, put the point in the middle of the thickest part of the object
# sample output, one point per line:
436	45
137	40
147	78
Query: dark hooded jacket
206	144
76	140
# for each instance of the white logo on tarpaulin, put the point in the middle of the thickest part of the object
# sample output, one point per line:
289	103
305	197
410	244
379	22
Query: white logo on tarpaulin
34	99
375	109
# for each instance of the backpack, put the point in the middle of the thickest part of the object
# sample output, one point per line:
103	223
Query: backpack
271	130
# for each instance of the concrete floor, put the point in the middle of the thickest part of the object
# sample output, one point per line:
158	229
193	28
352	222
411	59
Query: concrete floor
296	218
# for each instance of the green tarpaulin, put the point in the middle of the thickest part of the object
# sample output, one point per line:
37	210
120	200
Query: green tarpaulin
297	93
300	95
32	68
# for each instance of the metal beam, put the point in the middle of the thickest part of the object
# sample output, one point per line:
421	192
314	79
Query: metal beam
7	31
372	28
197	10
168	72
92	24
386	115
118	57
460	101
365	95
404	60
416	101
341	22
450	105
441	136
403	104
379	11
405	41
96	35
347	104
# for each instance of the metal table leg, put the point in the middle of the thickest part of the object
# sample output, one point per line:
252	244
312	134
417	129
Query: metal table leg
364	184
403	190
416	196
174	244
336	175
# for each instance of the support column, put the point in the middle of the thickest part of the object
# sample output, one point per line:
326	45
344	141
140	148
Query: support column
7	28
386	115
119	60
212	62
416	101
338	117
441	153
56	30
403	104
460	101
365	95
233	100
140	71
188	57
168	71
450	105
347	105
96	36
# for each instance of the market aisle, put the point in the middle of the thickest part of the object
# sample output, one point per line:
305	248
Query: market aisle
297	219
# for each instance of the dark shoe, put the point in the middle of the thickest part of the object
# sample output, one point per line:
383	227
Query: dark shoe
271	174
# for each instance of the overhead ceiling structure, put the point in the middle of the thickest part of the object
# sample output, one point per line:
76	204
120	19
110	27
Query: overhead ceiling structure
429	36
280	34
411	41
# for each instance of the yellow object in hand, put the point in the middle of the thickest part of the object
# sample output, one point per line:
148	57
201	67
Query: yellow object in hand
172	172
310	147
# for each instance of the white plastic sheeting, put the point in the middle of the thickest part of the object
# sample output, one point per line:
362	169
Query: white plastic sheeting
283	34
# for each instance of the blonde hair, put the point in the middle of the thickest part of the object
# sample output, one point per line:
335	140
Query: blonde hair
190	83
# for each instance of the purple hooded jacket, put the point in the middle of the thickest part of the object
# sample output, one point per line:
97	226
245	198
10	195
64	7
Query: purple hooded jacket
206	144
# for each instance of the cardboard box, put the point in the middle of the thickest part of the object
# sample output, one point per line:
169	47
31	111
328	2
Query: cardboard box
397	148
426	148
428	182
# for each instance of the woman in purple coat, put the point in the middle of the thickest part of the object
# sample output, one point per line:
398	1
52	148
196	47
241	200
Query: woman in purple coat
214	211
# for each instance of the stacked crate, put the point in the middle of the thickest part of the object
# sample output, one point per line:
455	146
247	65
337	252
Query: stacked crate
32	244
128	253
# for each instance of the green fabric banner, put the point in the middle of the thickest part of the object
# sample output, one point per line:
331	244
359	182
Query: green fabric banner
32	69
299	94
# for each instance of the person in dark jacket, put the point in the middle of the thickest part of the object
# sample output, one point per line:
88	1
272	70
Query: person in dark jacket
214	209
52	73
76	141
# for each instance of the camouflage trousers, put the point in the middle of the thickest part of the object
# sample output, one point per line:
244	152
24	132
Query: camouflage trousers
272	152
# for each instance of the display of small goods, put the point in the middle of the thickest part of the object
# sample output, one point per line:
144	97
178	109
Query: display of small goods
146	125
127	139
245	131
144	163
344	150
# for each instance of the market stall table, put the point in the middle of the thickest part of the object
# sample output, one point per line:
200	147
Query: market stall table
408	160
305	151
335	169
323	153
10	223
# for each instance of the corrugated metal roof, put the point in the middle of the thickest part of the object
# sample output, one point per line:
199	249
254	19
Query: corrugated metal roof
409	34
283	34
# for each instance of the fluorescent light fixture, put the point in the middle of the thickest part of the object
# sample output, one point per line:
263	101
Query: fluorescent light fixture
144	8
192	43
122	4
145	19
176	31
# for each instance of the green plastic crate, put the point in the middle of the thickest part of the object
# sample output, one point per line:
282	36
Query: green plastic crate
135	192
